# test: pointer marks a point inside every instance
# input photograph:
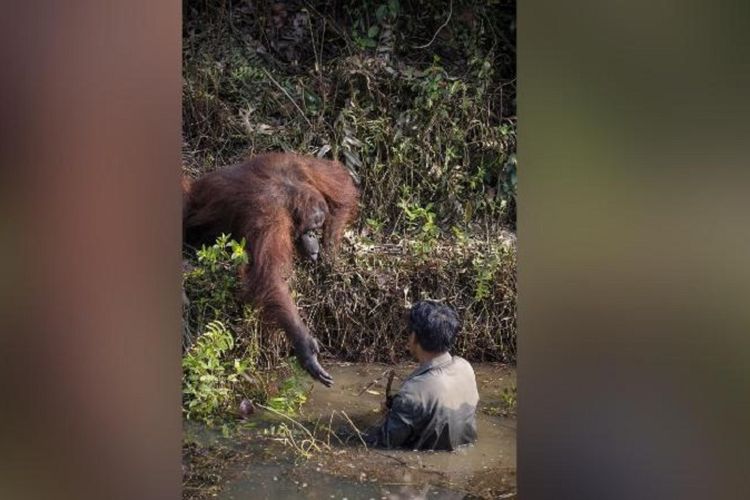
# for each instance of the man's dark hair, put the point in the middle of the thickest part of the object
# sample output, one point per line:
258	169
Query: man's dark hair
435	325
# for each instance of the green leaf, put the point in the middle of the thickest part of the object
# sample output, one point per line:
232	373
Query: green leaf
381	12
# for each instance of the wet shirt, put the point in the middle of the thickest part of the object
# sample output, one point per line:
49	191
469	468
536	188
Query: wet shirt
434	410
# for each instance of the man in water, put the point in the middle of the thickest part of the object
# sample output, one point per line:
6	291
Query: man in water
435	408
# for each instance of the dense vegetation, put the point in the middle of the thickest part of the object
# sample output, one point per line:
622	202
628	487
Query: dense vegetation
417	99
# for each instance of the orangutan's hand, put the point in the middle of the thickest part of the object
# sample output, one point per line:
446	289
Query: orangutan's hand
306	350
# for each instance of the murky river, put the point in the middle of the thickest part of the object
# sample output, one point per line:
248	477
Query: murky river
484	470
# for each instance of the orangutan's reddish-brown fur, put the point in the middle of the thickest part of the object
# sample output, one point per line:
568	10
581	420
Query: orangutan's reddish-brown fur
271	200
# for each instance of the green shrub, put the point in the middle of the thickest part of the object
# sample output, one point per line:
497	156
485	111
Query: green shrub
421	224
212	283
223	365
208	377
509	399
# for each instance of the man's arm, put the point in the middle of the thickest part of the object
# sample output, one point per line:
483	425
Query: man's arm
398	425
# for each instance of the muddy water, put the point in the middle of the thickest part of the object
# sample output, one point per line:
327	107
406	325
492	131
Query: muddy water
495	448
486	469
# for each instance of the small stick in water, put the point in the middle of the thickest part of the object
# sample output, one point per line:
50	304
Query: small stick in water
388	397
372	383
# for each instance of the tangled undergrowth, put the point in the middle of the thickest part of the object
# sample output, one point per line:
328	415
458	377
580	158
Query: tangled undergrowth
417	99
348	80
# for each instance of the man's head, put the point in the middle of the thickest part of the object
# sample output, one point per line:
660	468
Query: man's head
432	329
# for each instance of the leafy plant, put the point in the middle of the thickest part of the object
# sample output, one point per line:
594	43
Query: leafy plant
207	376
375	225
460	235
485	268
213	282
508	404
368	38
421	221
223	254
509	398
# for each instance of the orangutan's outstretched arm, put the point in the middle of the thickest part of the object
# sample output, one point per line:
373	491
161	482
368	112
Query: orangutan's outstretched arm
280	306
266	286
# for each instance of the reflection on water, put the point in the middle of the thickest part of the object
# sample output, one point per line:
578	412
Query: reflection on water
486	469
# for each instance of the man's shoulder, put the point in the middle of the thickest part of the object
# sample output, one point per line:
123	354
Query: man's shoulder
414	390
415	385
462	364
411	387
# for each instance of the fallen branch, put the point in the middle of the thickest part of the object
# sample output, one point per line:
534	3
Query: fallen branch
450	13
314	440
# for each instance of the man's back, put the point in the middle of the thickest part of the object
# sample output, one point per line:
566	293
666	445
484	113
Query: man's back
435	408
